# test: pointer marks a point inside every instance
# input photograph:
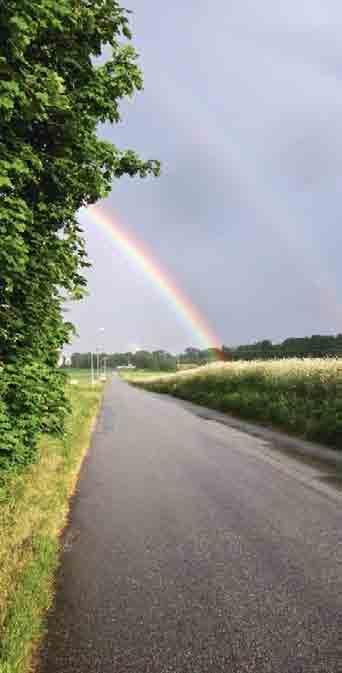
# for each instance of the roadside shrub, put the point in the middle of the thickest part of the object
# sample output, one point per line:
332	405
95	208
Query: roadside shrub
32	402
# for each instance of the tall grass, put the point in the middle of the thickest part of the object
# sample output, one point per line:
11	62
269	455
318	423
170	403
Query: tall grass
303	397
33	510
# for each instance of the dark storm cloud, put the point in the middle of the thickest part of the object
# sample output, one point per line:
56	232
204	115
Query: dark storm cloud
243	105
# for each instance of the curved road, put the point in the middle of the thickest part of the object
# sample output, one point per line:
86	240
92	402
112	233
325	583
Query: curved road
193	548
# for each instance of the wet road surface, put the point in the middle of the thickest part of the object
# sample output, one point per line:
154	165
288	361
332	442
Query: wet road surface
192	548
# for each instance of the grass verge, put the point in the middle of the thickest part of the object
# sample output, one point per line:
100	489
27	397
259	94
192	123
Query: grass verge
302	397
143	375
33	511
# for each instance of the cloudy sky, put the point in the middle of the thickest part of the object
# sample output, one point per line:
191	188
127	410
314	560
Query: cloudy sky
243	106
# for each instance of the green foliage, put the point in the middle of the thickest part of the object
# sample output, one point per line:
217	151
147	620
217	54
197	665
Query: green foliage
156	361
31	401
195	356
316	346
301	396
34	505
53	95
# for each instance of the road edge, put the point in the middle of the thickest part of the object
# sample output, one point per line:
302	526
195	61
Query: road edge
295	445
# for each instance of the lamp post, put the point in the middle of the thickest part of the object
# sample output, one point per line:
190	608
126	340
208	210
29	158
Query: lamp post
97	360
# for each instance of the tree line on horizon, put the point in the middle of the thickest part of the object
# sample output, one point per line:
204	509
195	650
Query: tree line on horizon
315	346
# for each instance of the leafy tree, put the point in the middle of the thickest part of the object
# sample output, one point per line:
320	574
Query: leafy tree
303	347
81	360
193	355
163	361
53	95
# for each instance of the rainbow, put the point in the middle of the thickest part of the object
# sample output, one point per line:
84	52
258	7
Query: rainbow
136	250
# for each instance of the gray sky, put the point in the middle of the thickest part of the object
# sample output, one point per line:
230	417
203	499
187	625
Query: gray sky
243	106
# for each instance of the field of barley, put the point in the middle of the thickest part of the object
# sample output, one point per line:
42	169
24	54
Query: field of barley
303	397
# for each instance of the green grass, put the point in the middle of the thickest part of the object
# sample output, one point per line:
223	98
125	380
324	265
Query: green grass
80	375
141	375
303	397
33	511
83	375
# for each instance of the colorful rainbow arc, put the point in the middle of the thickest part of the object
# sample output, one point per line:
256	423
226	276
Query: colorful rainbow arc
136	250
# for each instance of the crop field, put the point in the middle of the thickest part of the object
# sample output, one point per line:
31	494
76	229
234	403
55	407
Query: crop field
83	376
143	375
303	397
79	375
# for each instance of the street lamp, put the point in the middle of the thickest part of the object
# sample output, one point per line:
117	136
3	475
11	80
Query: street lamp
97	356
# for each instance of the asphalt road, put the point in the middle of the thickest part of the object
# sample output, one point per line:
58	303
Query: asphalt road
194	548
